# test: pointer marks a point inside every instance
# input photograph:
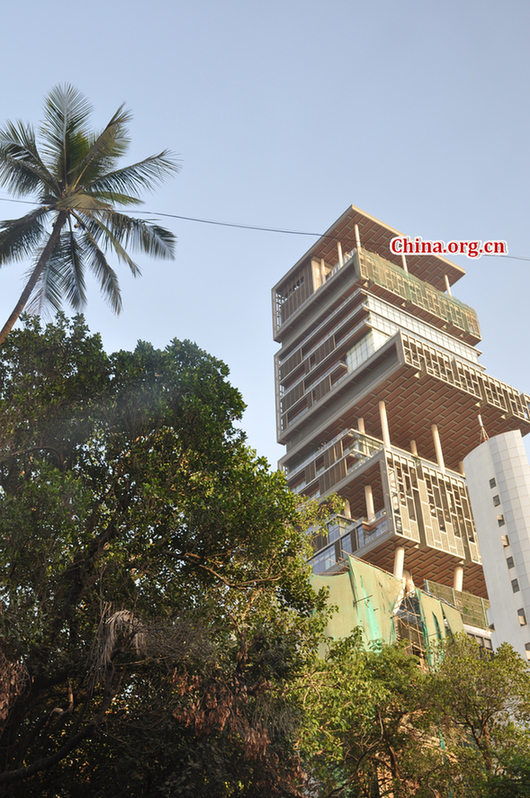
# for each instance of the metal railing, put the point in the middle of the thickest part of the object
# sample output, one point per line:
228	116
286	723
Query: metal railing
419	293
473	608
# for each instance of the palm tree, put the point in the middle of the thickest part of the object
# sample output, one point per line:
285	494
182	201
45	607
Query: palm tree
75	183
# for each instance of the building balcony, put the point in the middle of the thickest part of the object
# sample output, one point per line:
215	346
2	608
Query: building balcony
420	295
318	280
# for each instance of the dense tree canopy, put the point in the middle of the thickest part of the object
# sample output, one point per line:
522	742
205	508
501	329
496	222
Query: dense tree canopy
155	601
74	177
378	725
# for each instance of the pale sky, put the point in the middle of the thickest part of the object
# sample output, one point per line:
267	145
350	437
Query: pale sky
283	114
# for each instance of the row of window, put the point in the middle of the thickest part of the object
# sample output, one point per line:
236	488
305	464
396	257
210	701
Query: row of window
484	642
496	503
509	559
510	562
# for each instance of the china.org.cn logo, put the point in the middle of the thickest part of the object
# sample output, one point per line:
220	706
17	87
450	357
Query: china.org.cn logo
403	245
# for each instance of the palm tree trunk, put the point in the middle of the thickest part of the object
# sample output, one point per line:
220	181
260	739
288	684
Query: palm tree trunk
36	273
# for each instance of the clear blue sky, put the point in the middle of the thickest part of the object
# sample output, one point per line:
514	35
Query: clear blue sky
283	114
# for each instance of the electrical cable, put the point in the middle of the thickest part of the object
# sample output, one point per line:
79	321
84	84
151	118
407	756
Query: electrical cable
241	226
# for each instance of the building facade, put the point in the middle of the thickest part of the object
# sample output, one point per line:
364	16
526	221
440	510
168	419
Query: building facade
378	393
498	477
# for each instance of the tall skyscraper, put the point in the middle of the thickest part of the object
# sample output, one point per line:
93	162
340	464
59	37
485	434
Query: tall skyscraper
378	393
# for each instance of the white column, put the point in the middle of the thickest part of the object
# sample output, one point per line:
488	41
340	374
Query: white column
357	239
404	262
447	285
369	499
360	426
399	561
458	578
339	252
438	447
413	449
384	424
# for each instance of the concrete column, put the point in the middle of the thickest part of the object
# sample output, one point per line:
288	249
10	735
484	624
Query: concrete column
404	262
458	578
384	424
447	285
360	426
399	561
369	499
339	253
413	449
461	468
438	447
357	239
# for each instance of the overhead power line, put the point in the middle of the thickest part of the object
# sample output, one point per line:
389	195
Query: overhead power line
259	228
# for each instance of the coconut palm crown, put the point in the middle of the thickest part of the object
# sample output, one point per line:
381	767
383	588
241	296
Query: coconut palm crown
75	182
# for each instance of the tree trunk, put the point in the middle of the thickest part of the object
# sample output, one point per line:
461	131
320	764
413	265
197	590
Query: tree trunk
36	273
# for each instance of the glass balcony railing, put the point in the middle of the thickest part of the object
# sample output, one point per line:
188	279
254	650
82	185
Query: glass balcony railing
418	293
473	608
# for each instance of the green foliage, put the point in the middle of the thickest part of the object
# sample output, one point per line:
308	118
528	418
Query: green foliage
376	724
75	179
368	723
154	590
484	707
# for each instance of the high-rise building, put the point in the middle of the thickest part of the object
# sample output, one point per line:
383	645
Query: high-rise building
378	392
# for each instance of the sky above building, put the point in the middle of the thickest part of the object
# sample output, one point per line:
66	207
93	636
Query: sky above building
282	114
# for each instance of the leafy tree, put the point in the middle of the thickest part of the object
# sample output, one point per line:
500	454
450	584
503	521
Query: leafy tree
74	177
155	605
369	728
484	707
377	724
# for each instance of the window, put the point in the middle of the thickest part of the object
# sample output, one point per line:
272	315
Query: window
527	646
500	520
515	586
324	560
493	484
505	540
509	562
346	544
522	616
496	501
484	642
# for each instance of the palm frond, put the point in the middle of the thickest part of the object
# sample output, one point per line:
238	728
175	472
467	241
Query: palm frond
115	198
76	147
97	231
104	150
66	111
140	235
48	290
106	275
73	273
63	277
22	170
79	200
143	175
19	237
